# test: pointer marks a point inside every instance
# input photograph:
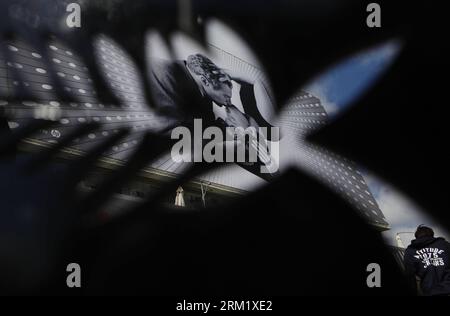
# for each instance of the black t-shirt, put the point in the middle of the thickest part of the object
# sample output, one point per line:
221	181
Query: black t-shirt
429	259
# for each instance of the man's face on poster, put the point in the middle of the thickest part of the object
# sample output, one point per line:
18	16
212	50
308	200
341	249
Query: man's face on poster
215	82
220	93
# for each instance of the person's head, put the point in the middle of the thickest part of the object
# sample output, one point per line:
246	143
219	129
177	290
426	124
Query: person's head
423	231
214	81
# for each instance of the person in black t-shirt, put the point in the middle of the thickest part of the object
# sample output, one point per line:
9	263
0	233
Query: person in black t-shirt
428	258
